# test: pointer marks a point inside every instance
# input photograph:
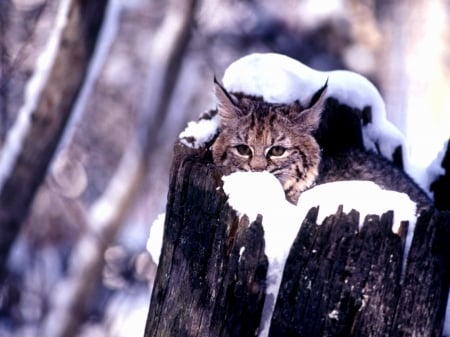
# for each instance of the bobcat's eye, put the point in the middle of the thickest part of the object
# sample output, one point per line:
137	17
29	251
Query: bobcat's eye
243	150
276	151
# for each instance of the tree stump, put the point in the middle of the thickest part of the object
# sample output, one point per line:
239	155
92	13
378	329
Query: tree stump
338	280
206	285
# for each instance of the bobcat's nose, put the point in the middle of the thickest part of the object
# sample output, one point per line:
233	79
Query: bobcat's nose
258	163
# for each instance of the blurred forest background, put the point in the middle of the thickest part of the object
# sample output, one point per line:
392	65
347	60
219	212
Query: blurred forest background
76	262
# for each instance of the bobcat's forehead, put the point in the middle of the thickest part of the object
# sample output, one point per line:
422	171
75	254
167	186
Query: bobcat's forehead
263	125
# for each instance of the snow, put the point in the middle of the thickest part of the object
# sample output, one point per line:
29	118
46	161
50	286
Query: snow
367	198
241	251
281	79
199	133
155	238
253	193
364	196
277	78
35	85
334	315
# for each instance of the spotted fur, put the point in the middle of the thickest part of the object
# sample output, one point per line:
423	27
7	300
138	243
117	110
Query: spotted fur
260	136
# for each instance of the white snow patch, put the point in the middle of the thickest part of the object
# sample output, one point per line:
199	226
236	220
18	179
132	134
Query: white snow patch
364	196
200	132
33	90
275	77
253	193
281	79
241	251
155	238
334	315
367	198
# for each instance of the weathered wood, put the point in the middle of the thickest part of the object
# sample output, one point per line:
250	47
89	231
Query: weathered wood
421	306
338	280
207	284
441	186
331	273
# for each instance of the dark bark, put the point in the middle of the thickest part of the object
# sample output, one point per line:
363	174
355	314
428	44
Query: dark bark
49	118
332	272
338	280
424	293
441	186
204	285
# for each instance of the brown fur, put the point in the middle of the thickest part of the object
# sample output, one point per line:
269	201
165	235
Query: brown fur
257	136
363	165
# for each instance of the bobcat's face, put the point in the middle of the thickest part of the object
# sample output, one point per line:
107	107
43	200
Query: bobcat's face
260	136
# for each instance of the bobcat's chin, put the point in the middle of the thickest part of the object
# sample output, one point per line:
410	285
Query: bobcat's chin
293	186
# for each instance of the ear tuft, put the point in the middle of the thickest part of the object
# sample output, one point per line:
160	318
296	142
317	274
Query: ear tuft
319	95
226	103
309	119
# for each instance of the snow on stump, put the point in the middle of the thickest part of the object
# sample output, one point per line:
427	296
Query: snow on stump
338	280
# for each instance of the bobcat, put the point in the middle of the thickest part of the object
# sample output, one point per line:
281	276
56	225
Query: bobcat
280	138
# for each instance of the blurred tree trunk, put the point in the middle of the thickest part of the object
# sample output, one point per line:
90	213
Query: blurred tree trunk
5	11
337	281
47	121
413	69
108	212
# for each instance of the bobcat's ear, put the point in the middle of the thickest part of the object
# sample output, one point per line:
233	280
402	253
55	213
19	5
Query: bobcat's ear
226	103
309	119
